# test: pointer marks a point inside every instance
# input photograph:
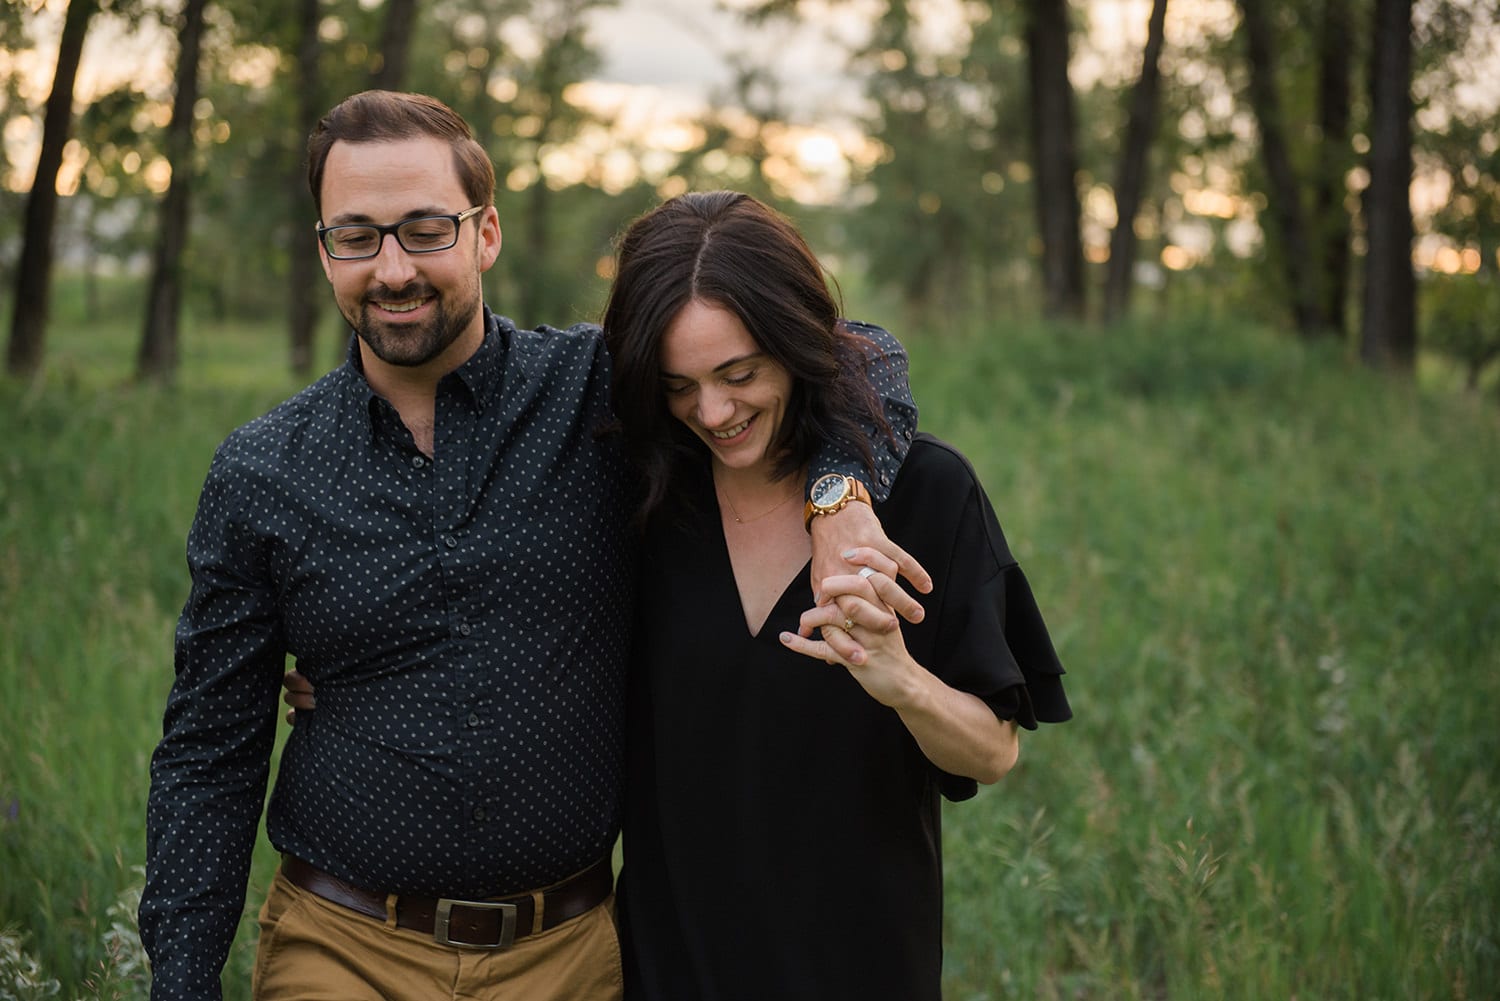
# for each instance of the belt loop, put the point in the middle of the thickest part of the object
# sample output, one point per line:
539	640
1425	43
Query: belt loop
390	911
537	903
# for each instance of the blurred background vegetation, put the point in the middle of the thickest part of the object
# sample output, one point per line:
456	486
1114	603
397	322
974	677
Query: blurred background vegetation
1246	445
1310	164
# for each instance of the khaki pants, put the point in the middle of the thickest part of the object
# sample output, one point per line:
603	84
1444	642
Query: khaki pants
314	950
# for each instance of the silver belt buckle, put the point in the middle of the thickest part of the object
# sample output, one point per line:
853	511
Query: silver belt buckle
444	914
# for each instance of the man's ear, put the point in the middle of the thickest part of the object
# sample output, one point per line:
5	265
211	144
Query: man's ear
489	238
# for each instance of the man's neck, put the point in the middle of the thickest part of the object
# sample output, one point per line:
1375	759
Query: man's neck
412	389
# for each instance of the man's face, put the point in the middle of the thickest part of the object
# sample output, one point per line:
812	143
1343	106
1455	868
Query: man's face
409	310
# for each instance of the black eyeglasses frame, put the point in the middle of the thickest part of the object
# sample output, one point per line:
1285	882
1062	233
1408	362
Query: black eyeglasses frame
393	229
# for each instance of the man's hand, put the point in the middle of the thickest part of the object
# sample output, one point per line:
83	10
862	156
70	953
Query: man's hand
852	538
299	695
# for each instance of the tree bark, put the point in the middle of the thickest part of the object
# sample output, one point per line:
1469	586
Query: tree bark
1131	175
1388	328
1054	158
395	43
28	328
302	255
1330	216
157	358
1285	194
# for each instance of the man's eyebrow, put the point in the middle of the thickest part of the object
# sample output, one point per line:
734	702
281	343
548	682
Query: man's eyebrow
719	367
360	219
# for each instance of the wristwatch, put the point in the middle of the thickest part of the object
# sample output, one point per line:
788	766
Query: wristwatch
829	494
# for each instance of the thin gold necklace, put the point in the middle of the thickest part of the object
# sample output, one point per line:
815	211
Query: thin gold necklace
764	514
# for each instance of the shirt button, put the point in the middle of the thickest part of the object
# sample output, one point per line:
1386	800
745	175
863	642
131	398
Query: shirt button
464	629
885	479
479	813
473	719
419	461
450	542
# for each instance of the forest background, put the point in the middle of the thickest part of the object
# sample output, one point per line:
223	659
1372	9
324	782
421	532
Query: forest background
1245	442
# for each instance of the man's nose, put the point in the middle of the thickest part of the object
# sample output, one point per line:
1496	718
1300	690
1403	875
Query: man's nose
393	265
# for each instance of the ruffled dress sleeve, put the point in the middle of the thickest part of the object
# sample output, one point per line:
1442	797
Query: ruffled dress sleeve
988	636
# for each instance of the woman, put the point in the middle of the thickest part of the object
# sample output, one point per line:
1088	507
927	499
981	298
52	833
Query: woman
782	813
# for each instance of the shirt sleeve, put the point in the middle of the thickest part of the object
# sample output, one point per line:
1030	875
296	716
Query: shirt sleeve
208	774
886	367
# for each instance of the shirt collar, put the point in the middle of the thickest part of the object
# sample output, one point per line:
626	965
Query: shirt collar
482	374
479	378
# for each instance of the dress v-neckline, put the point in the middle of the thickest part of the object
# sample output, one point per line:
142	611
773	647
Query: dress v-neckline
739	597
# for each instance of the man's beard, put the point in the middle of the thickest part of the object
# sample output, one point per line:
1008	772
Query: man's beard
410	345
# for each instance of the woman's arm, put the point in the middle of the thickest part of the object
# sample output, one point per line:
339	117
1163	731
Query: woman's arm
956	730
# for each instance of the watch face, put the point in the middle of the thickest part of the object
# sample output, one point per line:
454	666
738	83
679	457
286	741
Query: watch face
828	490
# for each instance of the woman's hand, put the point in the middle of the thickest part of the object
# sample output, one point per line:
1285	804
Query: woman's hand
957	731
853	537
859	606
850	540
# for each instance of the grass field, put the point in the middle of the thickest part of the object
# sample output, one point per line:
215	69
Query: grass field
1271	574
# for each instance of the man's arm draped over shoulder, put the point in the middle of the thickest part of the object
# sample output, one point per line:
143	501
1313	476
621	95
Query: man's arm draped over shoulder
886	369
208	775
856	527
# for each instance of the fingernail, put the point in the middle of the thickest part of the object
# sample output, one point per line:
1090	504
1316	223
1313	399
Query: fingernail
786	638
847	554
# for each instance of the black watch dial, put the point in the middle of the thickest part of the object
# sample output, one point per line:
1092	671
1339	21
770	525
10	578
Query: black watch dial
829	491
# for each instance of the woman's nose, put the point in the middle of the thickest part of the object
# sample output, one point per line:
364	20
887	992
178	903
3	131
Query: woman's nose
714	408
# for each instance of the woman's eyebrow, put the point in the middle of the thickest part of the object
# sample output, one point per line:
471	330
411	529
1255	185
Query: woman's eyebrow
719	367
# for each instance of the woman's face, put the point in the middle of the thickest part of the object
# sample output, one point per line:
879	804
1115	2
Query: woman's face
719	382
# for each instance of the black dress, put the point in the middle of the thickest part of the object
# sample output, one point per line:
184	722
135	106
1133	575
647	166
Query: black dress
781	826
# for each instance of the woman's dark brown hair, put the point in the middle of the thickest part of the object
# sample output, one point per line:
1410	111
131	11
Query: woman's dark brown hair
729	250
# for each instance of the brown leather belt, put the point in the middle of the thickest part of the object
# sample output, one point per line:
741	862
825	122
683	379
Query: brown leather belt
467	924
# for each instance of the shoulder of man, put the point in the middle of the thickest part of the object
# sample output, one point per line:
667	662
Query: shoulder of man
580	337
876	336
301	420
547	348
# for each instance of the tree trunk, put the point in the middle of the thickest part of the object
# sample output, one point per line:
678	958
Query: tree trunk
157	359
28	329
1054	159
1388	328
302	256
1295	250
1131	175
1330	216
395	43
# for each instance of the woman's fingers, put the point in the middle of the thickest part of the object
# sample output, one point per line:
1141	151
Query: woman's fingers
881	570
893	561
823	649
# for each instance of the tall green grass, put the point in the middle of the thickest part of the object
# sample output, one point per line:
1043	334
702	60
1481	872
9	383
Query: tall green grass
1270	573
1273	577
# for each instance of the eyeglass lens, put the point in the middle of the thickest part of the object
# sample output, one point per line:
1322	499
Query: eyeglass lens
416	236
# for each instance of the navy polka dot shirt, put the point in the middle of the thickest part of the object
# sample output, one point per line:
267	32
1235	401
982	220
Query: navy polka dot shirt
464	620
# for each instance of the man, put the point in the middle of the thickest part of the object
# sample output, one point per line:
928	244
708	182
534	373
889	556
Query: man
437	532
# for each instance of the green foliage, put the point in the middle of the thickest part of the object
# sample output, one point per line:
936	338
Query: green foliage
1268	572
1271	579
1462	320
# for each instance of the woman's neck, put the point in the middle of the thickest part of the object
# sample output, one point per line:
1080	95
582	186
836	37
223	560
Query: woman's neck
750	494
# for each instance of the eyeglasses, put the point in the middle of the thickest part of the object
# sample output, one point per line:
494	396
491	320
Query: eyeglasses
423	235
